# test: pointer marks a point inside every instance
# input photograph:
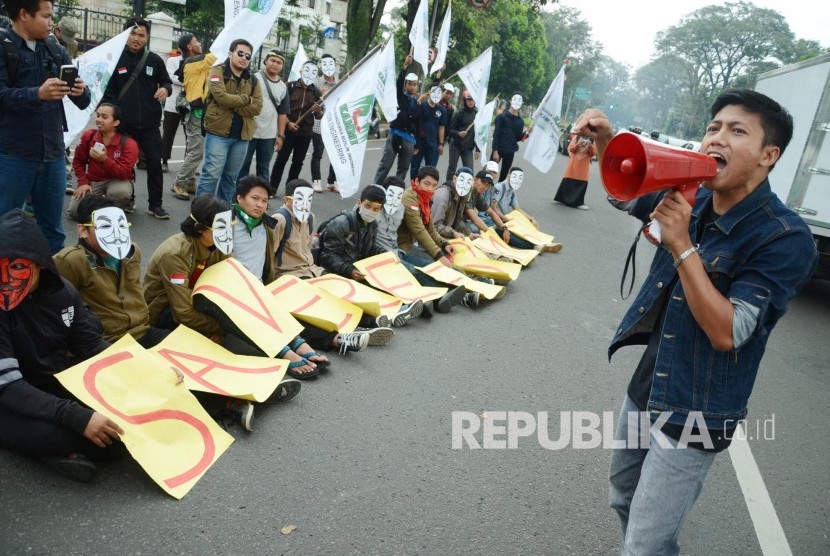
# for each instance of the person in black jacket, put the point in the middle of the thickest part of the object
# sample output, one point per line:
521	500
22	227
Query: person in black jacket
400	142
42	318
141	100
509	131
462	136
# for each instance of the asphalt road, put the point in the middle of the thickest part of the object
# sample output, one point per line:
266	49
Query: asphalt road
361	462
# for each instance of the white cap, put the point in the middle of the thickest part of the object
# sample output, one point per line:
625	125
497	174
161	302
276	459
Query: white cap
449	87
411	77
492	166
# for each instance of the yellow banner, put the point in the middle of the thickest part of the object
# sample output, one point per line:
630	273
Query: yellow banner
372	301
208	367
454	278
315	305
469	259
386	272
165	429
520	225
490	242
249	305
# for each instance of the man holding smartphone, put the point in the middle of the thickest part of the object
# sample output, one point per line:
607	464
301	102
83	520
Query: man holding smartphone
139	85
32	121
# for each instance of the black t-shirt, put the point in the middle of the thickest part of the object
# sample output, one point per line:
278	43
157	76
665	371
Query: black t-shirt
235	131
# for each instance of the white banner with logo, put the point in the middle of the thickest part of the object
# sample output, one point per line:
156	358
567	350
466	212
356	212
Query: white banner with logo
232	9
300	58
476	76
544	139
443	42
387	89
419	35
253	23
482	124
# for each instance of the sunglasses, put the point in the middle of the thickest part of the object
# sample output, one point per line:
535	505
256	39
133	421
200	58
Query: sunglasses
243	54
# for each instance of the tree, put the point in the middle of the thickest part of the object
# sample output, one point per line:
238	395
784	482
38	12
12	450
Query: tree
362	22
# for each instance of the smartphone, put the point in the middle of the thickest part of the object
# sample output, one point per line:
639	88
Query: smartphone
68	74
98	147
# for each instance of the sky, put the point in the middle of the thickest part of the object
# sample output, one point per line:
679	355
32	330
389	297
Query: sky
627	29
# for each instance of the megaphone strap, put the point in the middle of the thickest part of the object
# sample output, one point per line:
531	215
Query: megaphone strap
631	260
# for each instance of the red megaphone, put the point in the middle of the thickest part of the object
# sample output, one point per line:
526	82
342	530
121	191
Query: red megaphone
633	166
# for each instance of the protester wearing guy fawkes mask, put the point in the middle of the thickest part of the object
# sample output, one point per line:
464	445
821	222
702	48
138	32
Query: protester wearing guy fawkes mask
448	206
295	232
390	219
430	119
305	99
326	81
509	131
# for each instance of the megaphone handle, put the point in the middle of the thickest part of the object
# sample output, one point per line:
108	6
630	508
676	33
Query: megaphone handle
652	232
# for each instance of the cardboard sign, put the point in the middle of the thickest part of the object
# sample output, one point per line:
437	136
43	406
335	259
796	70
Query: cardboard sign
386	272
520	225
469	259
372	301
315	305
490	242
454	278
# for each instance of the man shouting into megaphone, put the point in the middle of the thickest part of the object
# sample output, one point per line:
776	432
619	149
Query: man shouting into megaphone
717	286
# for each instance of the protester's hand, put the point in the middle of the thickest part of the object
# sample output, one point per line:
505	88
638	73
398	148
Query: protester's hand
496	156
423	97
474	236
316	109
449	249
462	134
216	338
52	89
440	150
77	88
415	150
98	156
358	276
161	94
179	375
292	127
476	155
457	235
81	192
505	234
101	431
674	214
278	144
593	123
407	61
445	261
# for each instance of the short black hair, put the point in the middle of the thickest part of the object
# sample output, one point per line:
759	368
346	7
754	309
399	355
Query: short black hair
116	111
373	193
430	171
244	185
137	22
235	44
393	180
327	55
203	209
292	186
13	7
484	175
184	41
312	62
89	204
776	121
516	169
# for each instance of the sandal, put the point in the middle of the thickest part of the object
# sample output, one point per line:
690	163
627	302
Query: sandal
293	366
322	362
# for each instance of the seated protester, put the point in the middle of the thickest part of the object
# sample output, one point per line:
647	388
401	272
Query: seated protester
418	226
479	211
504	201
105	268
42	319
293	256
104	160
448	206
254	246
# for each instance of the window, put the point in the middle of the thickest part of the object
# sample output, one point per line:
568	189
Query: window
328	7
311	4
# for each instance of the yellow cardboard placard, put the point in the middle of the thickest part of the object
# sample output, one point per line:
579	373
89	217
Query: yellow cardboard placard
454	278
372	301
490	242
469	259
386	272
520	225
249	305
208	367
165	429
315	305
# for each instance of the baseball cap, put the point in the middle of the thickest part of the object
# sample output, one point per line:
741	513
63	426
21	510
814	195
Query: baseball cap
274	53
491	166
485	177
411	77
449	87
68	28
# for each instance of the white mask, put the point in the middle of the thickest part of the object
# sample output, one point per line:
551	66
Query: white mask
222	229
516	102
328	66
516	178
309	74
463	183
393	199
112	231
435	95
301	205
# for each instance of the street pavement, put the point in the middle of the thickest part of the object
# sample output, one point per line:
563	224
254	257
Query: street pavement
361	462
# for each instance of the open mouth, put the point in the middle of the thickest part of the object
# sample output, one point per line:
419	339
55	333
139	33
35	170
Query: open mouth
721	161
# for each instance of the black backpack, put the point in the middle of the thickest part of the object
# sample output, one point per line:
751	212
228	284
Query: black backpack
286	233
317	250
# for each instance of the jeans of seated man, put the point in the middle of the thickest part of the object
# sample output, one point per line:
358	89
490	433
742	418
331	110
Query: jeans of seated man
418	258
515	241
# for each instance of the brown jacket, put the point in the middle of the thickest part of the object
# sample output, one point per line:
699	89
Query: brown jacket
448	212
301	97
226	99
117	299
179	255
413	228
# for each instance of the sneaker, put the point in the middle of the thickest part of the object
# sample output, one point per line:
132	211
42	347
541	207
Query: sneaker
129	209
333	187
242	411
70	190
382	321
353	341
450	299
483	279
286	390
179	192
407	313
380	336
551	248
584	207
158	212
317	187
190	188
164	167
471	299
74	467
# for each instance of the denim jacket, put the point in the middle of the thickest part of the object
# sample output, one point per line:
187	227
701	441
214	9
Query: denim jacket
760	253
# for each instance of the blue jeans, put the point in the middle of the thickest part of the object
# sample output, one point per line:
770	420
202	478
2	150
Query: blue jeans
515	241
264	150
45	184
223	159
428	155
411	261
653	489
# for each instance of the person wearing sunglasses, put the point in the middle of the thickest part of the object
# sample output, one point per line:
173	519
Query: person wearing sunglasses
462	137
233	102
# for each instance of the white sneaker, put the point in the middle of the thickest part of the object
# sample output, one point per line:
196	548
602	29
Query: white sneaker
317	187
333	187
584	207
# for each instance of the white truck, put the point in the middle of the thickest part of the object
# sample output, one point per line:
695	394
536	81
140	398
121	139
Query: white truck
801	177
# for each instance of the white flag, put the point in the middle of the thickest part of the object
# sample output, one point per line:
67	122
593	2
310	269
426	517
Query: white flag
345	124
482	123
387	89
476	76
544	139
300	58
253	23
232	9
419	35
95	68
443	42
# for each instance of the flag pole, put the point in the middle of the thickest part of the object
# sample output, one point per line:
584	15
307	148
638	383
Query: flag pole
472	124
